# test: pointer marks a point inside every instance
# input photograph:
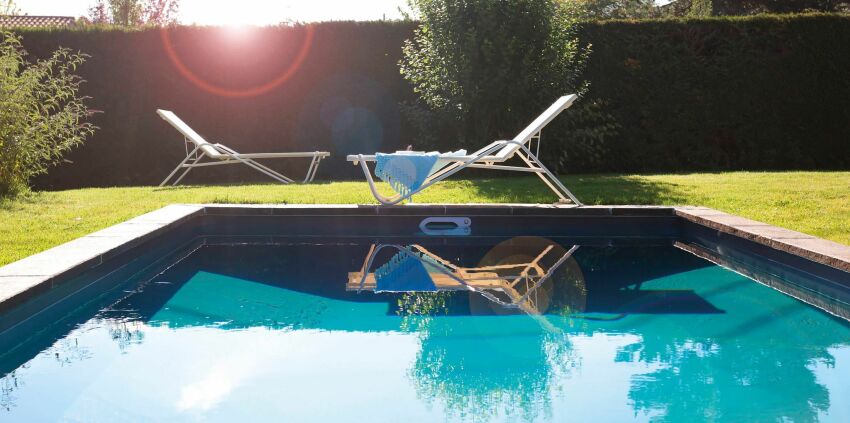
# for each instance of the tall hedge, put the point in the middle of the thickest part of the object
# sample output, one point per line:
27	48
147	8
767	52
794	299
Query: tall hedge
342	98
769	92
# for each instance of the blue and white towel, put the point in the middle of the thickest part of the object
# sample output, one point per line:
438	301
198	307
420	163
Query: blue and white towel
403	273
406	171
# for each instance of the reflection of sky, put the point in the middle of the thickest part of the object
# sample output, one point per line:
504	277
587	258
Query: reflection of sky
224	348
305	375
835	374
598	389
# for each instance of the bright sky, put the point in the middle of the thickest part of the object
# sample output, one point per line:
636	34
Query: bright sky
235	12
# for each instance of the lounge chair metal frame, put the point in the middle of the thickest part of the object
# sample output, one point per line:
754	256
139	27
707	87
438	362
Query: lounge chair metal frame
219	154
462	275
488	157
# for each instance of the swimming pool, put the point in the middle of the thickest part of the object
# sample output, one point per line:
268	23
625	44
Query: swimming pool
515	325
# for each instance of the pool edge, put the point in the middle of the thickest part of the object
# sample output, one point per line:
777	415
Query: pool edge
36	274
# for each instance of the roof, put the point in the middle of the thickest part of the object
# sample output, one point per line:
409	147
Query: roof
26	21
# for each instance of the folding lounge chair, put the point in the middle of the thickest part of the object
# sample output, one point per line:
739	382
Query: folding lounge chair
488	157
222	155
517	282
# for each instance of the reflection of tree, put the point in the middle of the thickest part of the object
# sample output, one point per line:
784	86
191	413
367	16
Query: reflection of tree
481	367
64	352
729	379
754	364
417	309
713	365
69	351
478	377
8	385
125	332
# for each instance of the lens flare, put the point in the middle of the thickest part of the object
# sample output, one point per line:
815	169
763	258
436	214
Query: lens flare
253	91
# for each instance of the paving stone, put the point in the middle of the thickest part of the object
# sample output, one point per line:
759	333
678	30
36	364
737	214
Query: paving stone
818	250
128	230
81	251
797	243
169	214
774	232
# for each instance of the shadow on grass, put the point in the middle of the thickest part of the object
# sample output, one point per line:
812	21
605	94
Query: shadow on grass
589	189
28	198
316	182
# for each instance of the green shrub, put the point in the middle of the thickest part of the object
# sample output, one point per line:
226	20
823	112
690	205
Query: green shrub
41	113
617	9
483	68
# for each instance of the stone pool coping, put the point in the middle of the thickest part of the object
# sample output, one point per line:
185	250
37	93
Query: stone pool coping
33	275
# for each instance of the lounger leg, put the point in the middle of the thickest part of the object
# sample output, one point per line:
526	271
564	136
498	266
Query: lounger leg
188	168
164	181
311	171
179	166
233	154
267	171
387	201
316	168
532	160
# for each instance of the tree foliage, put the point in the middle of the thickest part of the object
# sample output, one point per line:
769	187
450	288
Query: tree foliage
8	7
484	67
42	115
618	9
134	12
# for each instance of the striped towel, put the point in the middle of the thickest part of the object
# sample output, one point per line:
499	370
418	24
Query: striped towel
403	273
406	171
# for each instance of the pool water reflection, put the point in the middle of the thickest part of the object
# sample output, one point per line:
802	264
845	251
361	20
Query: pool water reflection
286	332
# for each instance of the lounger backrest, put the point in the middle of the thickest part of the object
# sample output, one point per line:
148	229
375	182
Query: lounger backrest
547	116
189	133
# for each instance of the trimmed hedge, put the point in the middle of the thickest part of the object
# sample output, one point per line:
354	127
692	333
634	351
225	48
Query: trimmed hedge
343	98
768	92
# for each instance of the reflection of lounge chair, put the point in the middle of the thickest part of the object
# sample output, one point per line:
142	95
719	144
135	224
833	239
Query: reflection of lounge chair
221	155
493	156
510	285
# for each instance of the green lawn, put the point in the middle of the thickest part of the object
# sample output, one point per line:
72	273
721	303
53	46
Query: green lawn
816	203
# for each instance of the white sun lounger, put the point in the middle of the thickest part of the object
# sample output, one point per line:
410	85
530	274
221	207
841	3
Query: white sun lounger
488	157
222	155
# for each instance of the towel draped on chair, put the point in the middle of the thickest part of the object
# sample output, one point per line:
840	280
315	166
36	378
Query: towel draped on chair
406	171
404	272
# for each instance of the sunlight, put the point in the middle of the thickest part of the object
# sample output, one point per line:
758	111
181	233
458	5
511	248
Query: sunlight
237	32
236	35
266	12
244	12
250	13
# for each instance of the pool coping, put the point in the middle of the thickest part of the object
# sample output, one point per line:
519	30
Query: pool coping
33	275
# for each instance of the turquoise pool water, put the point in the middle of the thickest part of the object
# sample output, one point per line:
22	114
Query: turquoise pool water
277	333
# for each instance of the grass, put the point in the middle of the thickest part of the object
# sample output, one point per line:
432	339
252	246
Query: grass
816	203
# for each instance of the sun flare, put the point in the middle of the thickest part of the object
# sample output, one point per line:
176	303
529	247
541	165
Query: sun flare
273	12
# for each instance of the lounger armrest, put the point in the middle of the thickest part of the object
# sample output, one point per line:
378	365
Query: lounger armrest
355	159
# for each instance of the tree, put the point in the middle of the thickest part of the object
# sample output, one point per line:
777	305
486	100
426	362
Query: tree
134	12
8	7
618	9
482	68
42	115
